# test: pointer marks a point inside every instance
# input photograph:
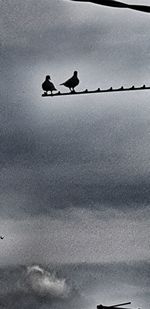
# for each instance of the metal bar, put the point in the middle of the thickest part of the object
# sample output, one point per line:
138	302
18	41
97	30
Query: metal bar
115	307
123	304
86	91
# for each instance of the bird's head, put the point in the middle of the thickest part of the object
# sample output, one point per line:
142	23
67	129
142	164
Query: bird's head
47	77
75	73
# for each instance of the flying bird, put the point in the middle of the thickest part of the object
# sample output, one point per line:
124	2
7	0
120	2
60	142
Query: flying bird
1	237
118	4
48	86
72	82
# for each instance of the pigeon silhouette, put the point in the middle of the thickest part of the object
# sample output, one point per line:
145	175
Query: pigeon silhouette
48	86
118	4
72	82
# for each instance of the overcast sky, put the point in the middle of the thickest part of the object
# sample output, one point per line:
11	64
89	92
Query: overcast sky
75	172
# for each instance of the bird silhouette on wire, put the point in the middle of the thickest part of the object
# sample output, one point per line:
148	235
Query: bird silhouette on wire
118	4
72	82
48	85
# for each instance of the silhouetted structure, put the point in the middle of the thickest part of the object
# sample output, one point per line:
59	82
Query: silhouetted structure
86	91
48	86
113	306
118	4
72	82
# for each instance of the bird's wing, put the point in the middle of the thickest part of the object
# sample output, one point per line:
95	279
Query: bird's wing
67	81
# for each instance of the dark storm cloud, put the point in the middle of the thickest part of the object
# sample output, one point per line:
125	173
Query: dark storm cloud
86	160
34	194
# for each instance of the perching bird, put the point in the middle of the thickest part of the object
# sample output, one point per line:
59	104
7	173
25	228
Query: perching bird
1	237
118	4
72	82
48	86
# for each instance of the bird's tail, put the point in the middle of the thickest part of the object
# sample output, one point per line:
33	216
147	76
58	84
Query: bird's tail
61	84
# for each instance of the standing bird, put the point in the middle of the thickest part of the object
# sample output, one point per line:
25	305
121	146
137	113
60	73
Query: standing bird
118	4
72	82
48	86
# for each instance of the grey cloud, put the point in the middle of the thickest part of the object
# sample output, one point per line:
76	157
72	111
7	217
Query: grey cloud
74	235
33	194
56	21
33	285
92	284
80	156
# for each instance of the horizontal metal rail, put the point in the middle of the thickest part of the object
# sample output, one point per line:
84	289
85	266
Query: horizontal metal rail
86	91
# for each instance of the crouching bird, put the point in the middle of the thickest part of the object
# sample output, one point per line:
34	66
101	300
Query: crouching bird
72	82
48	86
